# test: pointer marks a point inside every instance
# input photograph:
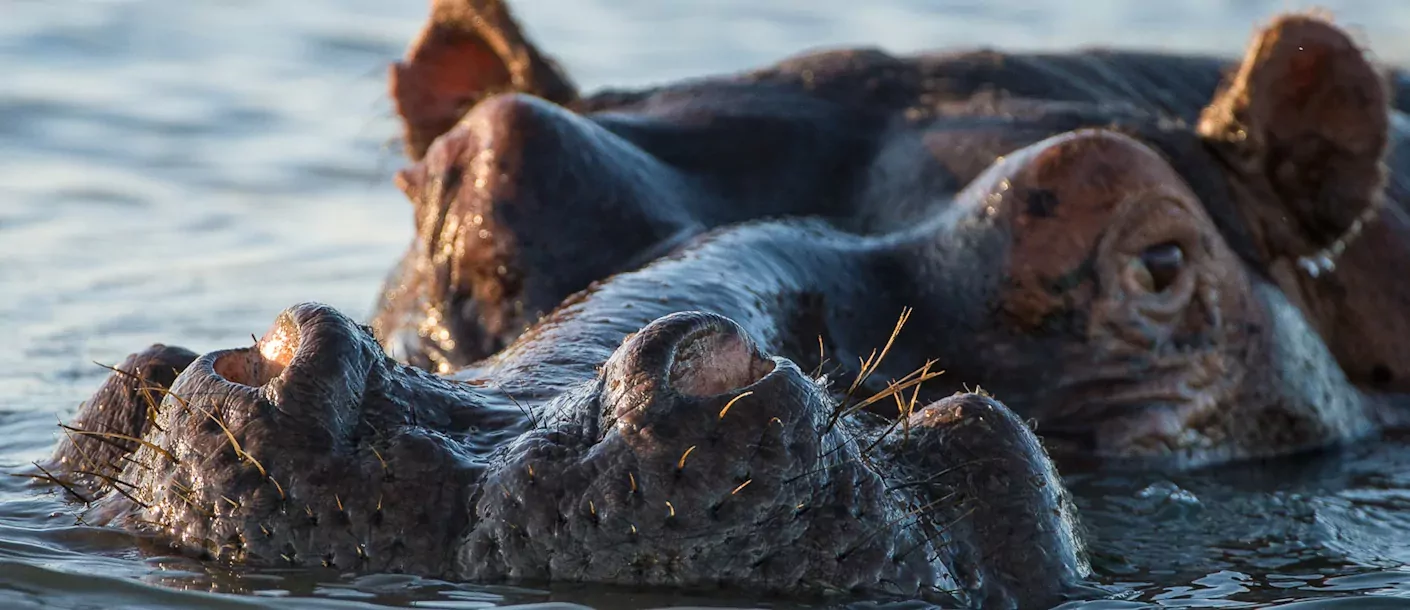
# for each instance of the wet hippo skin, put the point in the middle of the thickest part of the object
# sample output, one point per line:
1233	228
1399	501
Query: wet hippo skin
650	338
1297	153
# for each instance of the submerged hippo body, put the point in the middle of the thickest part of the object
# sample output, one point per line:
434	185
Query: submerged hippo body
1078	234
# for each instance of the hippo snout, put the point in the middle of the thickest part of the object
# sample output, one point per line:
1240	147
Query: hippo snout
682	357
695	459
691	457
309	448
309	371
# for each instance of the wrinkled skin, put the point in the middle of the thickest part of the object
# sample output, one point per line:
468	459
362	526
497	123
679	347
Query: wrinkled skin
689	459
665	426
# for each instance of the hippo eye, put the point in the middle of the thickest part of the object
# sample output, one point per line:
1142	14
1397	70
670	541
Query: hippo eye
1158	266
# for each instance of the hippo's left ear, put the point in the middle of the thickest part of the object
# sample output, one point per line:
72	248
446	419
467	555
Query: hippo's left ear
1303	125
412	181
468	50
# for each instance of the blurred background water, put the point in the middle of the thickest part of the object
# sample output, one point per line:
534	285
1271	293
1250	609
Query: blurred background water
180	171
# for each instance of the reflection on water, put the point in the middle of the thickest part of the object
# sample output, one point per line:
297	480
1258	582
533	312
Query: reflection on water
1317	527
181	171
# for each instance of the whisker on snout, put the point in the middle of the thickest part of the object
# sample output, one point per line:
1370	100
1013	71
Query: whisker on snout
125	437
49	477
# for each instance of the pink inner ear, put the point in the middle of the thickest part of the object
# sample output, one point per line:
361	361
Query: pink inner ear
715	363
444	73
1309	76
448	69
1305	70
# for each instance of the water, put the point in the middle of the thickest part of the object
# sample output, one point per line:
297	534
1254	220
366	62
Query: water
181	171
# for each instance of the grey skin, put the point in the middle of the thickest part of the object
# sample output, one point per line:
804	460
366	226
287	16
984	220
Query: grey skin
526	192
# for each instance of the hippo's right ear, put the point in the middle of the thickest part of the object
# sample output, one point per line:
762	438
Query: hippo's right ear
469	49
1303	125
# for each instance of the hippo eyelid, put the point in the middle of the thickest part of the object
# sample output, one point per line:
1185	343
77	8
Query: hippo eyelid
1133	219
1165	262
1149	219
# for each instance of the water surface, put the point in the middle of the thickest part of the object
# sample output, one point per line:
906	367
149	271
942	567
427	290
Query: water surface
178	171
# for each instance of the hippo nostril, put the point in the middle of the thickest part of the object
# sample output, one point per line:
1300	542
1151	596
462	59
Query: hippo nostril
693	353
715	361
313	363
256	367
685	367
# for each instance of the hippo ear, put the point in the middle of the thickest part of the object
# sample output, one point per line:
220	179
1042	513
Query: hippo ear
468	50
1303	125
412	181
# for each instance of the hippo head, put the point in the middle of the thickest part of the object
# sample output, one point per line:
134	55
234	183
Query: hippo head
688	458
1107	305
522	200
654	429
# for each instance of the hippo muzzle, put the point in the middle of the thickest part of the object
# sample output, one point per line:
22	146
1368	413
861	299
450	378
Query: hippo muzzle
690	459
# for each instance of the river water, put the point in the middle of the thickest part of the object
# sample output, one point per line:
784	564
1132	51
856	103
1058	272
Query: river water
181	171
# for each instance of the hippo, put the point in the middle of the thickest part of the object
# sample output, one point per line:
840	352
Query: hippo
1292	162
683	456
650	338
